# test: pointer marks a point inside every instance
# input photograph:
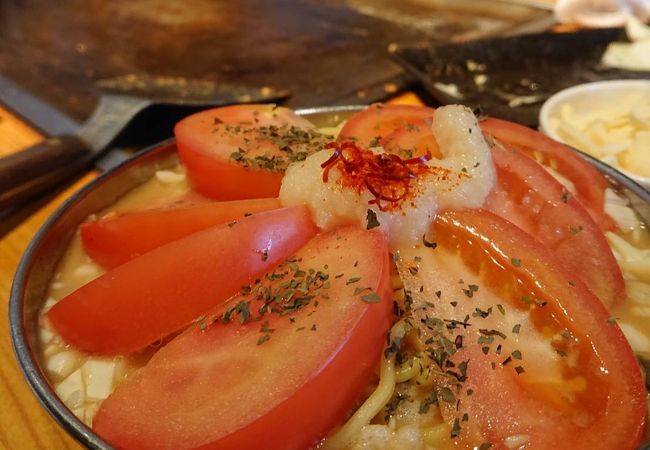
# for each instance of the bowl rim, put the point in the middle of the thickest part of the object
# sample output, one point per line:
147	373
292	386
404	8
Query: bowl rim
29	365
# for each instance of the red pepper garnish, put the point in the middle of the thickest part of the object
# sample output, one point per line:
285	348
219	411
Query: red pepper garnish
387	176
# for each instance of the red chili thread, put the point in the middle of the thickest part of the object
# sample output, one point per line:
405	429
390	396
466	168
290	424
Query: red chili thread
386	176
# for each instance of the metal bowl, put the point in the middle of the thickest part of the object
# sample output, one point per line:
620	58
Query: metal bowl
39	262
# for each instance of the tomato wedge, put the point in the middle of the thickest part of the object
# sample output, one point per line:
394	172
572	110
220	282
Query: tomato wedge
413	140
535	357
281	381
528	196
116	239
160	292
589	184
370	126
241	151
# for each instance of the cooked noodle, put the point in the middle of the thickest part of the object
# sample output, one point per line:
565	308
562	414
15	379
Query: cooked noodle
373	405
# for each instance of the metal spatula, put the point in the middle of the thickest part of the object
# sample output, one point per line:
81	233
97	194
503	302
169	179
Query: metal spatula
58	158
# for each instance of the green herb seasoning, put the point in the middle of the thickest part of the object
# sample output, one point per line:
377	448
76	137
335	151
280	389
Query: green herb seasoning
575	230
445	394
371	220
373	297
294	144
426	402
469	292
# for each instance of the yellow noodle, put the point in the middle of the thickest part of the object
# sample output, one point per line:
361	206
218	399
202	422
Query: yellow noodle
410	369
437	435
413	340
370	408
419	369
427	377
626	250
639	268
632	260
374	404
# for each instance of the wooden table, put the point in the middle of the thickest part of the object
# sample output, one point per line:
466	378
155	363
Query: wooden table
24	423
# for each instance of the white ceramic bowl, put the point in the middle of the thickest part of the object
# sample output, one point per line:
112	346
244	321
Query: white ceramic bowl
591	99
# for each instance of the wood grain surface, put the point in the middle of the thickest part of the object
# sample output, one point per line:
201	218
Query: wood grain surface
24	424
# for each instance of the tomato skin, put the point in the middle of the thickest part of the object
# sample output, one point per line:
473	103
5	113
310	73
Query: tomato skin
207	140
532	199
590	184
224	181
379	121
114	240
163	290
416	136
297	385
504	403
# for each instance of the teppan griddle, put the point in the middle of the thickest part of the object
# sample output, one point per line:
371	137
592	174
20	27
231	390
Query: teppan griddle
324	51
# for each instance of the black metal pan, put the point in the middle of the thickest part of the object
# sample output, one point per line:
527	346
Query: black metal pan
511	77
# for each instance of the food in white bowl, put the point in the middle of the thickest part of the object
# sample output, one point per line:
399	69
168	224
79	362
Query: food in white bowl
610	120
633	55
485	322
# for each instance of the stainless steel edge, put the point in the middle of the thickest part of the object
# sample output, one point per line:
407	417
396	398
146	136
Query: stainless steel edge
638	195
111	115
49	120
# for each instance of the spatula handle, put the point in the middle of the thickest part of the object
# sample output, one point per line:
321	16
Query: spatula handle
40	168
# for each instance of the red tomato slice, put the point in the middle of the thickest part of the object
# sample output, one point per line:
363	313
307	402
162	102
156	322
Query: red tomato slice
589	184
241	151
412	140
378	121
160	292
528	196
114	240
563	376
280	382
533	200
